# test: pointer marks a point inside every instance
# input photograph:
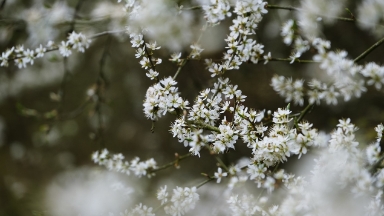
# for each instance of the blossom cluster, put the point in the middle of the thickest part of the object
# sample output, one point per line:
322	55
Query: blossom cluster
163	97
116	162
218	119
370	16
147	62
289	34
345	166
240	46
268	148
22	56
217	11
181	201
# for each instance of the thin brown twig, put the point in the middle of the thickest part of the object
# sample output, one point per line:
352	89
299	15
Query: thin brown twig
173	163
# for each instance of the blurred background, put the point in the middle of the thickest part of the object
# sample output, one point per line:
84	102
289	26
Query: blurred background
57	112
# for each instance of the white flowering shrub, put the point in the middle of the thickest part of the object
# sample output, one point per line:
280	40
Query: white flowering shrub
254	158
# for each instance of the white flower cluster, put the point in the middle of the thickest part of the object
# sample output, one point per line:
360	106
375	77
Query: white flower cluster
268	149
289	89
22	56
370	15
339	171
300	45
347	76
217	11
280	142
288	31
375	74
116	163
145	50
181	201
207	110
240	47
346	172
247	205
226	138
162	98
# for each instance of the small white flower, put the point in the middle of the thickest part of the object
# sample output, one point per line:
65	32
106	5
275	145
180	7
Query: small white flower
219	174
40	51
152	74
267	57
65	49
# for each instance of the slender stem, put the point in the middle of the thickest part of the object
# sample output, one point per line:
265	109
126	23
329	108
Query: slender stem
369	50
290	8
222	164
160	206
107	33
173	163
2	4
205	182
180	67
305	111
274	59
204	126
193	8
189	56
296	60
76	112
197	186
153	127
